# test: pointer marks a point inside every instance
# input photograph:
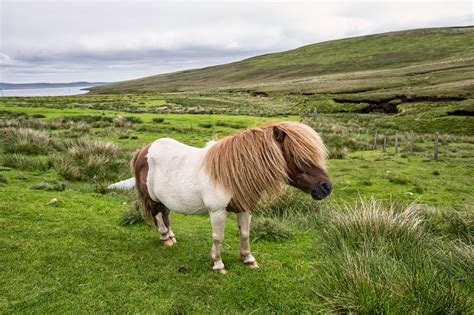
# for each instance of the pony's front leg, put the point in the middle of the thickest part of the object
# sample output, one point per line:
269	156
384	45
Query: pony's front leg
243	221
218	219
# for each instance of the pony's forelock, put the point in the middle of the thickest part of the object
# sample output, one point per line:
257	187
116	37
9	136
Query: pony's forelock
250	163
304	145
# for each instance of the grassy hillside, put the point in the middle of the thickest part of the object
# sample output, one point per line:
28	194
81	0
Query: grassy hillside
423	57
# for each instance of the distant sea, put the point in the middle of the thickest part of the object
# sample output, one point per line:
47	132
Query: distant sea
61	91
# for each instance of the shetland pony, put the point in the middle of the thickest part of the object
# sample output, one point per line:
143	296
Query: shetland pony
227	176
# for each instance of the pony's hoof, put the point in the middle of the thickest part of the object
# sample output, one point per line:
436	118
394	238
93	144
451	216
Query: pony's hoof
169	242
252	265
221	271
173	238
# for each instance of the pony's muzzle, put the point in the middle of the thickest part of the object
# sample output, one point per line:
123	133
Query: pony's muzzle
321	190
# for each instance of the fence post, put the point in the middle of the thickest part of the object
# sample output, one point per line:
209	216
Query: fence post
368	140
375	140
436	145
396	142
411	141
384	143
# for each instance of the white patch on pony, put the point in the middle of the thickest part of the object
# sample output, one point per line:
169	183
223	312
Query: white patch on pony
249	259
175	178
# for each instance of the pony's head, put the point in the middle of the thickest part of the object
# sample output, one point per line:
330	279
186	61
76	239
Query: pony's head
259	160
305	156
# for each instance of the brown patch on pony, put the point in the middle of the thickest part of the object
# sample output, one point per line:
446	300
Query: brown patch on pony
232	207
150	208
254	161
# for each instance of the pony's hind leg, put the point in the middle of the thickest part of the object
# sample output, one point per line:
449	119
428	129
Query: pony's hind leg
243	221
163	226
218	219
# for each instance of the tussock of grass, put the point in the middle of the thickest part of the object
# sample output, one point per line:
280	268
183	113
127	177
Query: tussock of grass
26	162
51	185
205	125
132	215
449	223
81	127
158	120
398	179
292	205
269	229
338	153
380	258
26	140
87	158
67	168
3	179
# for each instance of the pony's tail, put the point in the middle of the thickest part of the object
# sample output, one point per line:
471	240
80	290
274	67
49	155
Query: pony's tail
148	206
134	160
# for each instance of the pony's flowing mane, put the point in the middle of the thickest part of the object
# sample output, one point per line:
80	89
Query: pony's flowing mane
252	162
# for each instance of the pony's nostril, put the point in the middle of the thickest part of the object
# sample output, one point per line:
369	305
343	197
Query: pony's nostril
326	187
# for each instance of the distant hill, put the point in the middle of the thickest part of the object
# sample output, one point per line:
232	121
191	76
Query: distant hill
18	86
429	56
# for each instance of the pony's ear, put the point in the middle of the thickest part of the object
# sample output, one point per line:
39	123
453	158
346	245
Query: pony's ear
279	134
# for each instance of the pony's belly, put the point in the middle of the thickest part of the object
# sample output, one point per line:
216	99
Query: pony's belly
178	192
180	203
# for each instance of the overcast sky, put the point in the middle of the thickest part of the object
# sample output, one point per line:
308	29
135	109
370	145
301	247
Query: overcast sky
64	41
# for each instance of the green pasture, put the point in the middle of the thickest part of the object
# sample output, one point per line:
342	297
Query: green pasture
394	237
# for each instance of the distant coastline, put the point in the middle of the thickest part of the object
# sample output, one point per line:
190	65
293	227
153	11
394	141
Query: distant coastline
41	85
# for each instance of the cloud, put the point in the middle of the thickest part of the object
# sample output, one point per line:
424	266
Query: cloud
109	40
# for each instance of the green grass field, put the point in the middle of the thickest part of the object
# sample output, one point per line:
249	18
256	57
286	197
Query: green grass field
81	254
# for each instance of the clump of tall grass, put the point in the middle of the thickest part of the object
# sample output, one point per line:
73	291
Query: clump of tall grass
338	153
292	205
450	223
380	258
26	162
81	127
132	215
269	229
26	140
86	158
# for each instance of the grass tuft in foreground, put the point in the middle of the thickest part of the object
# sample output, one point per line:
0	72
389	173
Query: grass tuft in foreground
381	259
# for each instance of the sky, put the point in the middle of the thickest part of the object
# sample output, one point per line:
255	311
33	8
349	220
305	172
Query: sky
70	40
